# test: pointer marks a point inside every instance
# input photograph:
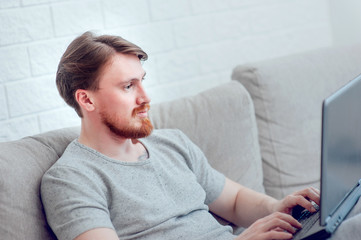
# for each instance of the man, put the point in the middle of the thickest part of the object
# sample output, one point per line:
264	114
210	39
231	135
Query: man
122	180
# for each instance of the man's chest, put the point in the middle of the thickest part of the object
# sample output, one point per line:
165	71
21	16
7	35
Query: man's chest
145	197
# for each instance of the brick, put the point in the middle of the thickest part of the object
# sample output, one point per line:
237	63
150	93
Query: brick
3	104
224	76
189	87
304	39
231	24
267	18
199	84
274	17
25	24
168	9
58	118
163	93
45	56
124	12
76	17
34	2
246	3
14	63
177	65
3	133
259	47
220	56
34	95
311	12
9	3
152	38
281	43
210	28
17	128
194	31
204	6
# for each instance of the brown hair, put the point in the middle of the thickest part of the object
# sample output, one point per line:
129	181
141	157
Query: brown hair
83	60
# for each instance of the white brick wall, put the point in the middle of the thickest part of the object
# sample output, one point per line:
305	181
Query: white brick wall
192	45
25	24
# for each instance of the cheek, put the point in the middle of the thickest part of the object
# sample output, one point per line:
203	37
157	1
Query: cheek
117	104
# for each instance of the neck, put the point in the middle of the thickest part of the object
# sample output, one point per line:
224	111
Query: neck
100	138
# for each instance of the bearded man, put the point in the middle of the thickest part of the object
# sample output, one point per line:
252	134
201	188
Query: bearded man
122	180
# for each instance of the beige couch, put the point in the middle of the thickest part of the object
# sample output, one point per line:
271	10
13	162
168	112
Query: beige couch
287	93
278	117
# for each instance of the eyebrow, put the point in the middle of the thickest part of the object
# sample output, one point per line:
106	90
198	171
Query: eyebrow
125	82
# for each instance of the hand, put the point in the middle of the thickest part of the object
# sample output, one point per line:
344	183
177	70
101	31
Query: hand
275	226
302	198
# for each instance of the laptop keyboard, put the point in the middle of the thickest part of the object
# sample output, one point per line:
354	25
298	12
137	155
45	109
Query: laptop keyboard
307	219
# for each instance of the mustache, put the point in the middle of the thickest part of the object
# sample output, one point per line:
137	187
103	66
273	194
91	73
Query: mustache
141	108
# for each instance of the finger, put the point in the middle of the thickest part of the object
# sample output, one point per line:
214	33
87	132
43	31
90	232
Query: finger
314	195
277	235
318	193
278	229
283	221
311	194
285	226
305	203
316	190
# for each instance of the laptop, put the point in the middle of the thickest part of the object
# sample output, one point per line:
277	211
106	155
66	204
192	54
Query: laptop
340	162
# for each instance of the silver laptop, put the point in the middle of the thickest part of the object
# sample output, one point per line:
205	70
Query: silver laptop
340	162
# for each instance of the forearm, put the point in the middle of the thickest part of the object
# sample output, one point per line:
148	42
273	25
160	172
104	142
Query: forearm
250	206
263	216
242	206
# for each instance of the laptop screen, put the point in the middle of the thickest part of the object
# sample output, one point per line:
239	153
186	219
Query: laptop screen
341	146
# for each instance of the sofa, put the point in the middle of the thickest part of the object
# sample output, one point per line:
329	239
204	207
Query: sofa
261	128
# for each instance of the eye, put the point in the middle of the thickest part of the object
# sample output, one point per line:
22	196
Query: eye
128	86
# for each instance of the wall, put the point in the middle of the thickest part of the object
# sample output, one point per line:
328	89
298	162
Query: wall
346	21
193	45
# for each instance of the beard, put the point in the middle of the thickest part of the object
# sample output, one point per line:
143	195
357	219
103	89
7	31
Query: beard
129	131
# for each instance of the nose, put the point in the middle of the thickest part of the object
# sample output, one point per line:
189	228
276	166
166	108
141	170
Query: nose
143	97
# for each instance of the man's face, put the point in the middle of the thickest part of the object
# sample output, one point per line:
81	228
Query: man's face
121	100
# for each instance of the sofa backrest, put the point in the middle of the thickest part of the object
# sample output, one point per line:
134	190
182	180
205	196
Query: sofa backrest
288	94
221	121
22	164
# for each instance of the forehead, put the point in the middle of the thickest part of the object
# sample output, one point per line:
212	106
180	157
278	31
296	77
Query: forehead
122	67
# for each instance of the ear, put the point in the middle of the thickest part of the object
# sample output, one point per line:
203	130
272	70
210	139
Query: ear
84	99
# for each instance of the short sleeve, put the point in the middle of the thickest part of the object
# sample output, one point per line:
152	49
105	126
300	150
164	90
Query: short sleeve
73	203
209	178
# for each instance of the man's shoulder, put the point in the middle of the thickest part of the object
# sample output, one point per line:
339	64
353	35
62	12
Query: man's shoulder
75	165
70	159
71	151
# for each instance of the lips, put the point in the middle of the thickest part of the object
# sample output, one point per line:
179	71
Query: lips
141	111
142	114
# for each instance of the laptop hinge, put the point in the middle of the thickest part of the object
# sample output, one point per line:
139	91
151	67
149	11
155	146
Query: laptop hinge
343	210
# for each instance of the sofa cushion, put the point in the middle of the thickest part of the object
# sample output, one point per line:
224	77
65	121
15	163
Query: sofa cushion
23	163
221	122
288	94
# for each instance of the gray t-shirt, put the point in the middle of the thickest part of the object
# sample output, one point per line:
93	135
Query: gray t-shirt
163	197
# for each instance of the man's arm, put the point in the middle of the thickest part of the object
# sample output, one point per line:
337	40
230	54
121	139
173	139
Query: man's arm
98	233
243	206
240	205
